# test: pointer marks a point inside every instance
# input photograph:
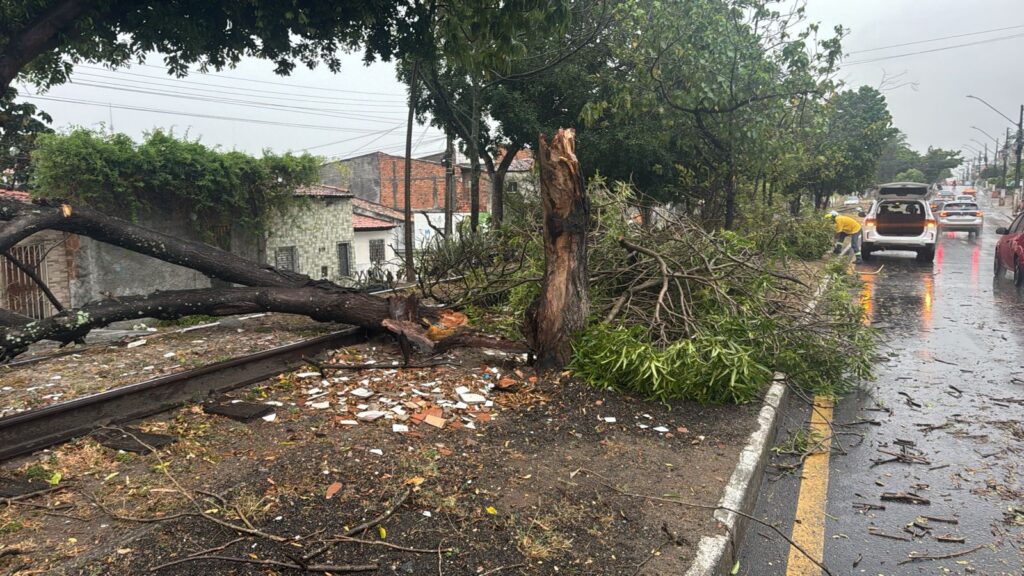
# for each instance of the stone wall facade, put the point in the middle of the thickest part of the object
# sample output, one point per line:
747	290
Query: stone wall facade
312	232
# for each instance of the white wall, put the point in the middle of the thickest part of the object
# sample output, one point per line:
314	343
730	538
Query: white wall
362	249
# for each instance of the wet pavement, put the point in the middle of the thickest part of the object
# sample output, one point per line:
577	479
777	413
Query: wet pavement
942	421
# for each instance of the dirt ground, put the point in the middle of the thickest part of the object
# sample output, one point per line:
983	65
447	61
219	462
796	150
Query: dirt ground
508	475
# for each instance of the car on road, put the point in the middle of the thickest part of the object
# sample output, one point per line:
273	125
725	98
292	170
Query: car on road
936	205
851	201
1010	250
970	191
962	217
901	219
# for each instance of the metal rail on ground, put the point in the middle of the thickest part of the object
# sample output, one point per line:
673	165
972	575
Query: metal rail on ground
37	429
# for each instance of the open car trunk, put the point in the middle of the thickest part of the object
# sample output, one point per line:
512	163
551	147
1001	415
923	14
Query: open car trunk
900	218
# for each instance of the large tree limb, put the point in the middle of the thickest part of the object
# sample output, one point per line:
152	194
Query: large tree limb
38	36
9	318
319	303
34	276
27	219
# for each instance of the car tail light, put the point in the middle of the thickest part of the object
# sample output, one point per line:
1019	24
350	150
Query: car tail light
869	222
979	213
930	223
943	214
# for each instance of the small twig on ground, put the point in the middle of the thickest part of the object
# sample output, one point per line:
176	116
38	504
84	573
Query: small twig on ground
650	556
389	545
196	554
329	568
10	551
923	557
754	519
501	568
364	526
905	498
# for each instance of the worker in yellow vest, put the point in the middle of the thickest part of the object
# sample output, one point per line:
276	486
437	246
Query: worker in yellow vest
846	226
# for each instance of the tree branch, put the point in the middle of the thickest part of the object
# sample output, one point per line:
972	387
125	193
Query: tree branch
38	36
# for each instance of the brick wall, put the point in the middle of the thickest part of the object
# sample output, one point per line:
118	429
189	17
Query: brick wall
315	229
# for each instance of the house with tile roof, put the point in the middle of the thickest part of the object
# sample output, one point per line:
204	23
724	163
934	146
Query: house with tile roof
48	255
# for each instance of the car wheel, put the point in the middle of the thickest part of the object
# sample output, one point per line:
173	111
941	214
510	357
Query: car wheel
926	254
865	254
997	268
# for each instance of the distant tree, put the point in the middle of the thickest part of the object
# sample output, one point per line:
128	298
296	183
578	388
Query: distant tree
911	175
20	123
938	164
896	157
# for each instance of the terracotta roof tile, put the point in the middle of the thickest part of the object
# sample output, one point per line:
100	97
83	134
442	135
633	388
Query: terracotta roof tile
360	222
377	209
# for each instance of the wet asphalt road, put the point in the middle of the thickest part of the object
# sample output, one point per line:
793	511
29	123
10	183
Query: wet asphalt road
950	386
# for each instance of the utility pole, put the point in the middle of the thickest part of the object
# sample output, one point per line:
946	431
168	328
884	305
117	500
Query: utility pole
1006	155
1016	171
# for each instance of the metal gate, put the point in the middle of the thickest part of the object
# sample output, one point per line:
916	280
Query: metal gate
20	293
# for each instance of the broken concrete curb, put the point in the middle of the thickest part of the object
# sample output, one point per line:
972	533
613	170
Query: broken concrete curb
716	554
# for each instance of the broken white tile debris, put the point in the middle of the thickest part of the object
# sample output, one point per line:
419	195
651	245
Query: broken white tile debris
57	377
400	428
369	415
170	355
643	426
320	405
472	398
661	429
609	419
361	393
427	513
273	403
377	451
313	391
398	410
461	405
136	343
270	417
348	422
307	374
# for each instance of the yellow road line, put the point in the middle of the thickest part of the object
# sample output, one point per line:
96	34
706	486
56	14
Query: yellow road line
809	523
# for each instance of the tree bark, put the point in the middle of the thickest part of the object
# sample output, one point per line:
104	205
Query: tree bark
410	223
27	219
474	160
497	174
449	185
322	303
10	318
561	309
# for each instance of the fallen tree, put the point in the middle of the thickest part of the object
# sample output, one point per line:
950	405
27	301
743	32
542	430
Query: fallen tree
265	289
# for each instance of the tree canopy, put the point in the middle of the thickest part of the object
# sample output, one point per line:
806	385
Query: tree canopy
42	39
897	157
20	123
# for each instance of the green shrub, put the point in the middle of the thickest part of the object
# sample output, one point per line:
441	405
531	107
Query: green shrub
709	370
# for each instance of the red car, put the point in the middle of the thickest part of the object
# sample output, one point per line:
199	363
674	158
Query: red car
1010	250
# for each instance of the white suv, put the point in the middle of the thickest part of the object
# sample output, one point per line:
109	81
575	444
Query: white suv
900	219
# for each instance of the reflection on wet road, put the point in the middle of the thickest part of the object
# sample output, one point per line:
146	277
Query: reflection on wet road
942	423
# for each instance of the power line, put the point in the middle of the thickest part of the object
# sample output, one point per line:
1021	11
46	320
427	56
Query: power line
979	42
382	132
235	102
244	79
196	115
937	39
249	91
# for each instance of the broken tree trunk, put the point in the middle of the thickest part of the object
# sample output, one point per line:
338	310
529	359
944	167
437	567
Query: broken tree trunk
562	307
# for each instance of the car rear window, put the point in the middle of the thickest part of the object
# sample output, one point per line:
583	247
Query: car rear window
960	206
900	207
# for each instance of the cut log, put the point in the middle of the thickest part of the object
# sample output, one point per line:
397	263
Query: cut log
563	304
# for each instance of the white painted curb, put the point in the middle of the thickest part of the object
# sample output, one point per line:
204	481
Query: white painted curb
716	554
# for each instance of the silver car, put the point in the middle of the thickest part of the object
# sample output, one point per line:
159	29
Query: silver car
962	217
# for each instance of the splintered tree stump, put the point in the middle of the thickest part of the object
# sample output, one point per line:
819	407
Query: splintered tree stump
563	304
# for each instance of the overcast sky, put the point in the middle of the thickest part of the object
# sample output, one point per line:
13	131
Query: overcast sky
362	108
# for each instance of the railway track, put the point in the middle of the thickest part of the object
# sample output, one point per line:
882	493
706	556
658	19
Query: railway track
56	423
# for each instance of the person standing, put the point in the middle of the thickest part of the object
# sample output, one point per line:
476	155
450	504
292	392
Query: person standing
846	226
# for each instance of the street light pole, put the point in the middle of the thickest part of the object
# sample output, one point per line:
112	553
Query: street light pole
1020	143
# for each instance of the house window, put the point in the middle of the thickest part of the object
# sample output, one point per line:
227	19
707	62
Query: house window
376	251
512	186
284	258
343	263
